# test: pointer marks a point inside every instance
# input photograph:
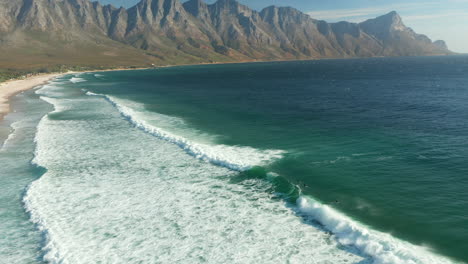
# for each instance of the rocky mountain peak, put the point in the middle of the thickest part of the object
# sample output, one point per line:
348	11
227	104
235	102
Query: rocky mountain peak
269	13
282	15
392	20
155	13
197	8
227	2
229	6
388	22
384	26
226	30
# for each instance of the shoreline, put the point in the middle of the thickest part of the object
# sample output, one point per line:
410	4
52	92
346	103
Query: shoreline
11	88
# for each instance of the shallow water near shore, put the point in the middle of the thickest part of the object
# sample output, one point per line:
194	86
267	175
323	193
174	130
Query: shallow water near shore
335	161
20	241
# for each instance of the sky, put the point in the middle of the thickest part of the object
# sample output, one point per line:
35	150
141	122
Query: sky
438	19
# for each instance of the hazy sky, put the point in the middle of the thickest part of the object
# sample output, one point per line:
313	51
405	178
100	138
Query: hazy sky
438	19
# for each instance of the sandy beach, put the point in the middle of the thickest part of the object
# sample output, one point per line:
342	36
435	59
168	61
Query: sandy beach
11	88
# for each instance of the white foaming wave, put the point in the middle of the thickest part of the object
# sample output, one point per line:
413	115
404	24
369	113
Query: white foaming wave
382	247
53	88
53	250
14	126
7	141
77	80
98	75
232	157
41	91
50	248
218	211
54	102
93	94
49	90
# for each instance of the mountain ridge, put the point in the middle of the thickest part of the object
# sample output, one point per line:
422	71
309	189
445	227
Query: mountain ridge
160	32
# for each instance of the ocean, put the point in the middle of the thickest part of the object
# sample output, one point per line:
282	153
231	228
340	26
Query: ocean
329	161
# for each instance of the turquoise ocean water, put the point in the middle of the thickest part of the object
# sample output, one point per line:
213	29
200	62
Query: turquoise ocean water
332	161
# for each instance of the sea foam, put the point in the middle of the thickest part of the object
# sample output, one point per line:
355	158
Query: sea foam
77	80
382	247
11	136
232	157
145	202
121	195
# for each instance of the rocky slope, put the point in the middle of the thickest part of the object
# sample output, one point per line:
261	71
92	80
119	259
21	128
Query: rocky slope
51	32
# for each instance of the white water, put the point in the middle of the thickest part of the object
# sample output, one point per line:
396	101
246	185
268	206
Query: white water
113	193
13	134
231	157
18	238
383	248
77	80
116	194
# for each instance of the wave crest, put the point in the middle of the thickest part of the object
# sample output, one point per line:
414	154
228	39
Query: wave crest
383	248
232	157
77	80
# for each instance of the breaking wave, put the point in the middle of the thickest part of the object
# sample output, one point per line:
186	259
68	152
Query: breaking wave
116	202
232	157
382	248
77	80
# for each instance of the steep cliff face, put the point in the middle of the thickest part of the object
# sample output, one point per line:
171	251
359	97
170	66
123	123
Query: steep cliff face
397	39
295	32
202	18
167	31
238	26
7	15
50	16
164	17
47	33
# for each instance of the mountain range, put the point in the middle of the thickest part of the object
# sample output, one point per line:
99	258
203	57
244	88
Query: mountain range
46	33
